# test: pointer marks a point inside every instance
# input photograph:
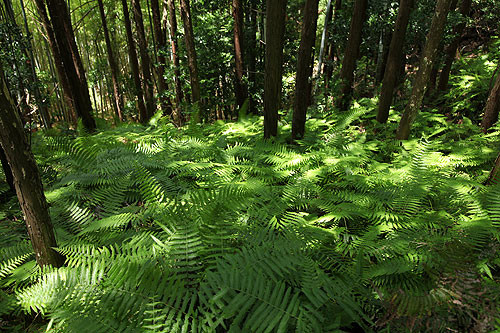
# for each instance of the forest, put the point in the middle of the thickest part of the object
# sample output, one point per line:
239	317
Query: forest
249	166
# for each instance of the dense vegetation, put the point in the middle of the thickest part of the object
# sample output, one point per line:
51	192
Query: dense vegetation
176	208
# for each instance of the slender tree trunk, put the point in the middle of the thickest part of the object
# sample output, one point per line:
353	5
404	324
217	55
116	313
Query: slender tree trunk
44	113
385	40
394	60
161	41
427	60
451	50
27	181
145	61
134	63
118	98
6	170
240	89
324	35
73	67
352	53
275	32
191	54
252	56
492	107
174	45
304	69
328	66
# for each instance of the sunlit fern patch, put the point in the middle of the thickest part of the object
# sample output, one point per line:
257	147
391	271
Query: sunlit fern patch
213	229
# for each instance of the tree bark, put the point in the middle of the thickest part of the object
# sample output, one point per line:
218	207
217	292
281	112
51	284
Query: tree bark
58	63
134	63
426	62
72	64
118	98
240	89
161	42
27	181
174	45
492	178
492	108
6	170
352	53
145	61
304	69
275	33
394	60
451	50
191	54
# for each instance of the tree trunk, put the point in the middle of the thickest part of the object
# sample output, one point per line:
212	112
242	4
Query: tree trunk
27	181
492	178
324	36
328	66
73	67
252	56
427	61
240	89
161	41
352	53
304	69
492	107
44	113
145	61
275	33
118	98
58	63
394	60
6	170
174	45
451	50
134	63
191	54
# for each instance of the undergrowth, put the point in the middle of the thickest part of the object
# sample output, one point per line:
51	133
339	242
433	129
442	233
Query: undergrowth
212	229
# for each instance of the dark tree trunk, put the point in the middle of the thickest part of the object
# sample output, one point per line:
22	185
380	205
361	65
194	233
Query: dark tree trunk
394	60
252	56
174	45
240	89
426	62
58	62
161	42
352	53
382	57
73	67
134	63
6	170
275	33
118	98
451	50
492	107
145	61
304	69
191	53
27	181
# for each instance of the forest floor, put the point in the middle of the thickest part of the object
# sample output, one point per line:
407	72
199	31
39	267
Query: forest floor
190	222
